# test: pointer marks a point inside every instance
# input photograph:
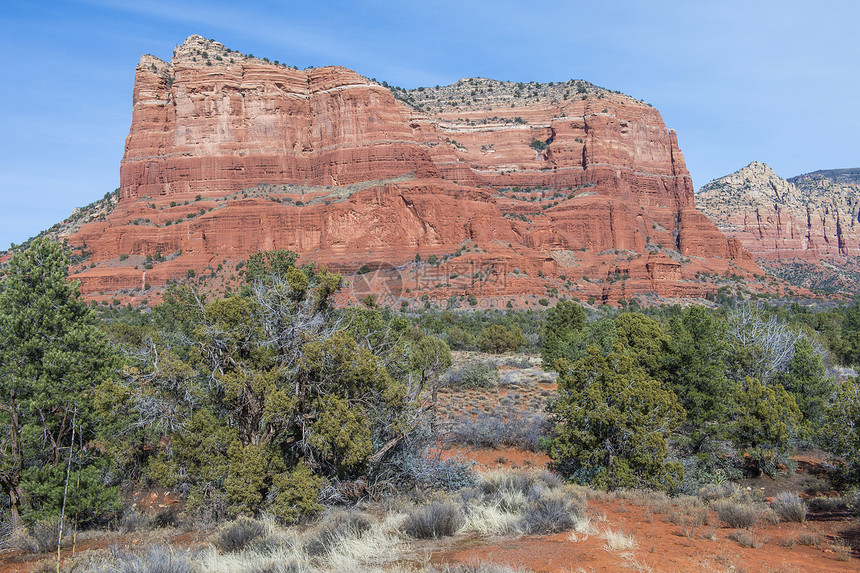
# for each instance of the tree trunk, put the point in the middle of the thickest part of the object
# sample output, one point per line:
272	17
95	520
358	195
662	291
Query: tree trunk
433	400
11	482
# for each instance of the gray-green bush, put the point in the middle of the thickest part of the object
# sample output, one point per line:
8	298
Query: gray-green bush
438	519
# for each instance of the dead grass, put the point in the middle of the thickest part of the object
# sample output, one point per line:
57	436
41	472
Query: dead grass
841	550
738	515
619	540
746	538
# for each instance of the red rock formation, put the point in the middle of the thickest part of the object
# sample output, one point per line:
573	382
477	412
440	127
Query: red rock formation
228	155
811	221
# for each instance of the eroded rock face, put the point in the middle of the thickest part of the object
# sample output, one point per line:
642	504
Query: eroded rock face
810	221
228	155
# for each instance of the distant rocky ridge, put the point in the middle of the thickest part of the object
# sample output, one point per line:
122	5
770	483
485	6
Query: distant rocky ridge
846	176
804	229
514	190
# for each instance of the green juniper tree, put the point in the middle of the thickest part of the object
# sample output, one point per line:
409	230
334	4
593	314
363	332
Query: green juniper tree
612	423
766	420
806	380
841	432
264	394
563	323
695	369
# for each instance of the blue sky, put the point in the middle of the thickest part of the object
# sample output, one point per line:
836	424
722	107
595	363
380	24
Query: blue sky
772	81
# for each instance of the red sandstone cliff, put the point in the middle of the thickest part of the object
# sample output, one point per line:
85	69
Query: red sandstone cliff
518	188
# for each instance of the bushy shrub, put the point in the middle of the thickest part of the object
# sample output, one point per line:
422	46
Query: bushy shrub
134	521
46	533
438	519
552	512
740	515
159	559
240	534
166	518
499	338
473	374
612	424
337	526
504	427
789	507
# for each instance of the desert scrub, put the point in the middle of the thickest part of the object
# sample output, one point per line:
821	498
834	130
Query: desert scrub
827	504
714	492
134	521
738	515
335	527
159	558
746	539
789	507
438	519
531	502
240	534
493	484
505	426
473	374
552	512
43	536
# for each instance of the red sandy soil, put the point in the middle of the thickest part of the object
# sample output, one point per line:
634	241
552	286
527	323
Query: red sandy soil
661	545
665	546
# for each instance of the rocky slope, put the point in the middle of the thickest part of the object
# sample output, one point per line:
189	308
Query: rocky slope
512	189
805	229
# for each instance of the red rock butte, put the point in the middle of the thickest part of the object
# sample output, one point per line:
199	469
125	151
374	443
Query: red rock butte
513	189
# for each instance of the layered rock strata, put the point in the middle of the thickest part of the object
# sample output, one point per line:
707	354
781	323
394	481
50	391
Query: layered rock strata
808	217
810	221
531	188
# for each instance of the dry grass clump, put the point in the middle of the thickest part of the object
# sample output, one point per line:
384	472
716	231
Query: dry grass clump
789	507
643	497
43	537
552	512
745	538
159	559
6	534
534	502
809	539
619	541
715	492
438	519
492	483
738	515
240	534
475	568
336	527
689	512
841	550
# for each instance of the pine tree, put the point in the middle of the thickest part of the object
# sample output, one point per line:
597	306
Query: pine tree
52	354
